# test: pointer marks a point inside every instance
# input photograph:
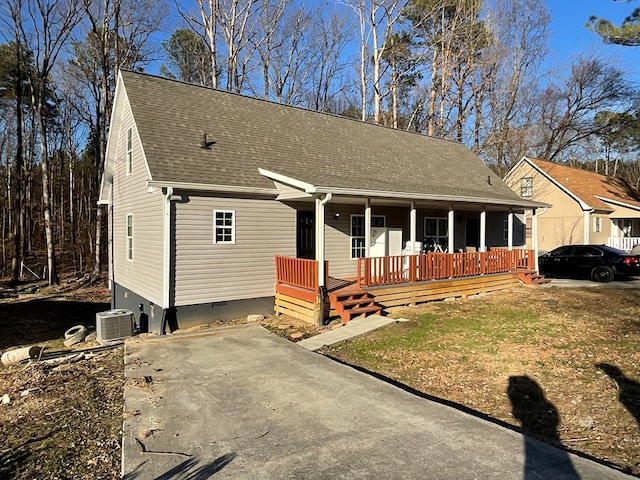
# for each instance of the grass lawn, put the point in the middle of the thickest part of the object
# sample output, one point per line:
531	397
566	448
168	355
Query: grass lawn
562	364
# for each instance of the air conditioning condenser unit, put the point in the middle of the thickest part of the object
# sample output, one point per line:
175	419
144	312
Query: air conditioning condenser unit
114	325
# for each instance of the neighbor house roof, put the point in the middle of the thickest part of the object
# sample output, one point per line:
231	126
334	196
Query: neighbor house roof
593	189
257	142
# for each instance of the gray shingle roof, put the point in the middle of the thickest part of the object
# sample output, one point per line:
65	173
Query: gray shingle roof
316	148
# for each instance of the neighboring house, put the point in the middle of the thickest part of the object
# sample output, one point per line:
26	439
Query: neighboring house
586	207
206	187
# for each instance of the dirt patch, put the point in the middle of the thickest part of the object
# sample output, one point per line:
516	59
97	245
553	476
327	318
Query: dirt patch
64	420
561	364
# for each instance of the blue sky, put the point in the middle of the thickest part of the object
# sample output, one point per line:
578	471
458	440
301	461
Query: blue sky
569	36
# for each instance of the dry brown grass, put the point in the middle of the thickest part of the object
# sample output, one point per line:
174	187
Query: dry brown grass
572	358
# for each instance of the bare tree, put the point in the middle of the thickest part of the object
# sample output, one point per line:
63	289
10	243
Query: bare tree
508	77
568	107
377	19
44	27
330	37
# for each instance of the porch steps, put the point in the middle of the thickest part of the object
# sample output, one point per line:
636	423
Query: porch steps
353	303
531	277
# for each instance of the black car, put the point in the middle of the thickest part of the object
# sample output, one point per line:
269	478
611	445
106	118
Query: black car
597	262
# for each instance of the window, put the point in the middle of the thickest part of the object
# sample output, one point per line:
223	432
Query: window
130	236
597	224
505	229
586	251
436	229
526	187
129	151
224	226
358	249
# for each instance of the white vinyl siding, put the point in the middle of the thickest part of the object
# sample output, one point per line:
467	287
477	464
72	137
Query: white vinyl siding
131	196
224	226
207	272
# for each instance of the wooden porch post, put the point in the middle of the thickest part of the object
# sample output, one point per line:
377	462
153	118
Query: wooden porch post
451	226
367	228
483	230
320	203
510	230
413	226
534	237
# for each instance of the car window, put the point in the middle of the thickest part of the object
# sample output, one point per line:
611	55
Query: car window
561	251
586	251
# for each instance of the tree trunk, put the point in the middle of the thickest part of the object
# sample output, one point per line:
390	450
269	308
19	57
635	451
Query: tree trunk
19	222
46	198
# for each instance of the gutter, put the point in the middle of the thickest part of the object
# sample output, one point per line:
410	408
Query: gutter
422	196
205	187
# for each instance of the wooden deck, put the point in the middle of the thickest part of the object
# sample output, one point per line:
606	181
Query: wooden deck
392	281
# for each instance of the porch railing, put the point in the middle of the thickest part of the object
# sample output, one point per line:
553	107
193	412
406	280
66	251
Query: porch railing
623	243
392	270
299	272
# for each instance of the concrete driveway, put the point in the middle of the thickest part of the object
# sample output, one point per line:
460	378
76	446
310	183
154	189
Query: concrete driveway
242	403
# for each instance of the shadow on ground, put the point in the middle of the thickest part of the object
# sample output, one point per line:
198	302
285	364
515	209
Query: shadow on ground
39	321
189	469
531	435
628	389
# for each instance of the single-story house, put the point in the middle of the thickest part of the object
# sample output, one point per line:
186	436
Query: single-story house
218	203
586	207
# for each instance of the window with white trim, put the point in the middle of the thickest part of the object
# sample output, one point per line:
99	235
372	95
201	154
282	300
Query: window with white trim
129	151
129	235
597	224
358	249
224	226
436	229
526	187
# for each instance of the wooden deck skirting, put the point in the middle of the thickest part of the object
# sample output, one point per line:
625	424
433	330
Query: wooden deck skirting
410	294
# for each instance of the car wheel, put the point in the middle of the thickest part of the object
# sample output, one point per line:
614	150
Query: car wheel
602	274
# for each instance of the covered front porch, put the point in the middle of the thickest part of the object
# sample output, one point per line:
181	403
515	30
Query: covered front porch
360	250
382	282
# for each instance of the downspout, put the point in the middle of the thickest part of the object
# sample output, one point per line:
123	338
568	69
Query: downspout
166	254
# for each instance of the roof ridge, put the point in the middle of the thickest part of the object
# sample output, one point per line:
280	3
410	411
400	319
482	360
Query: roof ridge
285	105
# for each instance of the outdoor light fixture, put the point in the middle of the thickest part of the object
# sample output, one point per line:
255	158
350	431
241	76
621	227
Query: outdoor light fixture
336	215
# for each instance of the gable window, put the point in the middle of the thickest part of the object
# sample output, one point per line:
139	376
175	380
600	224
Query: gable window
526	187
436	230
358	249
129	236
597	224
129	151
224	226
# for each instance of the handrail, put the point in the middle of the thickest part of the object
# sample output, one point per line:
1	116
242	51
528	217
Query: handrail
298	272
395	269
